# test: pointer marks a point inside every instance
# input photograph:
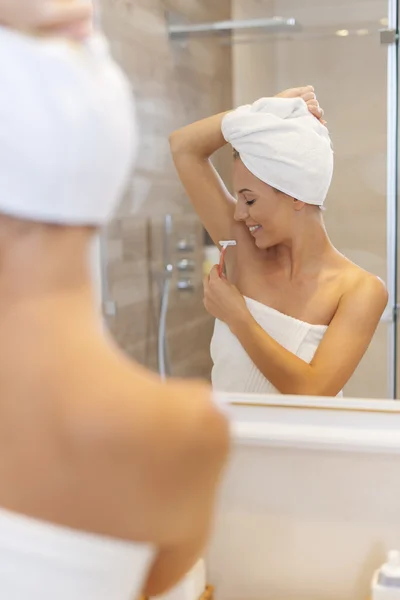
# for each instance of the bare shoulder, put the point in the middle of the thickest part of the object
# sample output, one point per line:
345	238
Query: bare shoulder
177	411
363	286
158	446
132	407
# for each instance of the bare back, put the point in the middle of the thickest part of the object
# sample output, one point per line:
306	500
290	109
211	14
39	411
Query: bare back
88	439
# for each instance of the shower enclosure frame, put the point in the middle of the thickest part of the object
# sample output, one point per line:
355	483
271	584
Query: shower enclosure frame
391	38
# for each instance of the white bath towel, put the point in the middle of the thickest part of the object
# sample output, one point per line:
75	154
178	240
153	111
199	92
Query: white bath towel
282	144
234	371
67	134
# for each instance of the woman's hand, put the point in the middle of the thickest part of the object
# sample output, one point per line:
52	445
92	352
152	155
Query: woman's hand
307	94
70	18
223	300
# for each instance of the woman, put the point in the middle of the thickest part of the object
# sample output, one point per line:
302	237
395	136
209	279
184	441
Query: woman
107	476
294	315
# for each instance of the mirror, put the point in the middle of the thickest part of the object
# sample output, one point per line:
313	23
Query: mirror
156	250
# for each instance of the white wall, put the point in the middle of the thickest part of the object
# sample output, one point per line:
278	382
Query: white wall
253	64
297	521
296	524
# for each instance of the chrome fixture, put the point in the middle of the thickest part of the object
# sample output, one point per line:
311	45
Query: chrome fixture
163	366
186	264
185	285
185	245
183	265
178	30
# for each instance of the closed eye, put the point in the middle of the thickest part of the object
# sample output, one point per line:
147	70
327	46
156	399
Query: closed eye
250	202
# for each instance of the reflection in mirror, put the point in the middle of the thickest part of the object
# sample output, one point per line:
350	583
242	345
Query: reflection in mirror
300	307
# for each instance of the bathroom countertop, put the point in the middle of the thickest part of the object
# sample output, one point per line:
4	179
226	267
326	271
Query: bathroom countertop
314	423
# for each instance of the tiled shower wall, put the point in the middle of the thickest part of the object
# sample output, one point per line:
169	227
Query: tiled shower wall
174	83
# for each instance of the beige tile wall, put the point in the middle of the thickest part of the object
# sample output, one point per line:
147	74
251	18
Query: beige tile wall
174	84
253	63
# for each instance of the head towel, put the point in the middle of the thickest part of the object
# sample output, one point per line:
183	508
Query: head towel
284	145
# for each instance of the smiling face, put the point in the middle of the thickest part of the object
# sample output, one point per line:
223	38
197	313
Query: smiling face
268	213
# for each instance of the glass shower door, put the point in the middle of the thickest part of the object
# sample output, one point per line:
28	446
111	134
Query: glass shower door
390	37
338	47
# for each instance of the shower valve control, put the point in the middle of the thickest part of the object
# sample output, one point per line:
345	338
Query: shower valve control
185	245
186	264
185	285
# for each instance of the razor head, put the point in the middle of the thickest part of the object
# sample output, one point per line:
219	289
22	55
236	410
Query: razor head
226	243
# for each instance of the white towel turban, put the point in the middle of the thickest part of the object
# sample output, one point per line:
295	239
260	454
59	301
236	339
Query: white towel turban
67	130
282	144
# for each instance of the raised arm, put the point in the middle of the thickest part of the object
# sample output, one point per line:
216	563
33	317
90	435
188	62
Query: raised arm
192	148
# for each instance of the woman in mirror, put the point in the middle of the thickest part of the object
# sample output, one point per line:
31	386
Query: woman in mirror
293	315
